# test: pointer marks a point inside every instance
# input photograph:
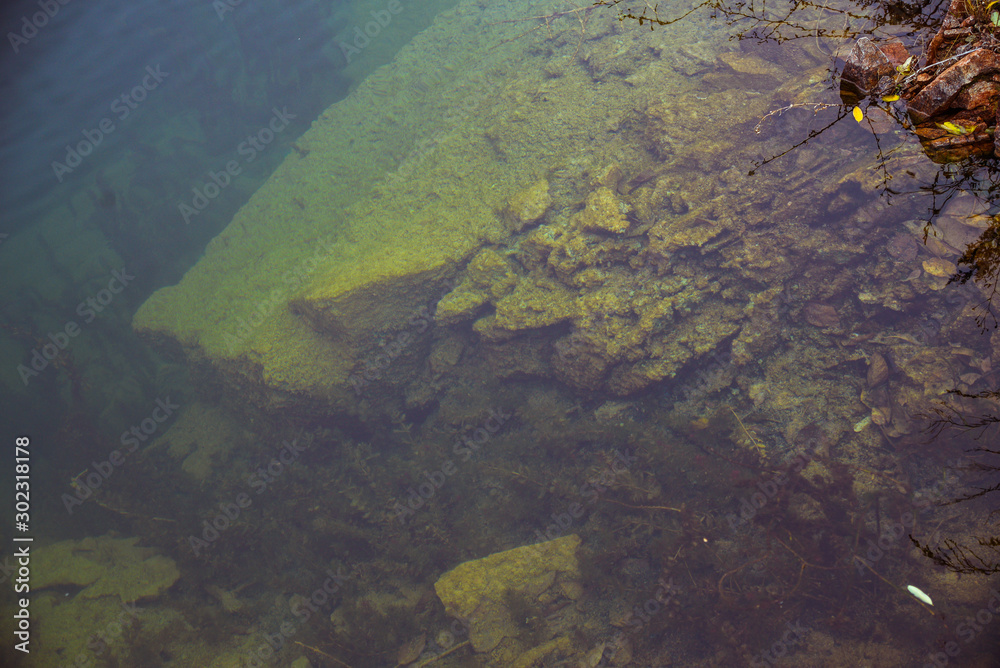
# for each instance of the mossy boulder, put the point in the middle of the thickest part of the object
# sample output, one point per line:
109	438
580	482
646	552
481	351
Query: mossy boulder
104	566
604	212
479	592
529	205
489	276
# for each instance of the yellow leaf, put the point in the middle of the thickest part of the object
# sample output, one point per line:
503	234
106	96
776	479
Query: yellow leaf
952	128
893	98
858	114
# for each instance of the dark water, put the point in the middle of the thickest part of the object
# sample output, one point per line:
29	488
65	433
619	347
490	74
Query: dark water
347	334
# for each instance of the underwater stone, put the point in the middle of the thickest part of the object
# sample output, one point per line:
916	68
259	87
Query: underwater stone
878	370
529	205
476	592
749	64
939	267
821	315
106	567
608	176
695	229
902	247
536	656
411	650
603	213
460	304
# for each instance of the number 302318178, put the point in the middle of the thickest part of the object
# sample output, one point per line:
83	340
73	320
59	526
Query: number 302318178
22	484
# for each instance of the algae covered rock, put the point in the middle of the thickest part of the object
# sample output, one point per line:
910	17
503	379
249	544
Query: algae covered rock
105	566
604	213
480	592
488	276
536	303
696	229
529	205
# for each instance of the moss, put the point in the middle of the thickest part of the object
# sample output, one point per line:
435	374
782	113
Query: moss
603	212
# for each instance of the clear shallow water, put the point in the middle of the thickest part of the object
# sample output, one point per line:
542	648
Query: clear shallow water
632	341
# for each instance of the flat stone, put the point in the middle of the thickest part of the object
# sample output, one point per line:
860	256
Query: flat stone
939	267
105	566
476	592
821	315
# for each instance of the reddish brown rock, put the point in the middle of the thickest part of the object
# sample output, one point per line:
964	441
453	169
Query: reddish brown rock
821	315
878	370
980	98
869	62
957	13
996	136
938	95
952	101
942	147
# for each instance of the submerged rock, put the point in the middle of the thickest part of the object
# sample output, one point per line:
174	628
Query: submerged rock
529	205
821	315
603	213
902	247
105	566
479	592
878	370
939	267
